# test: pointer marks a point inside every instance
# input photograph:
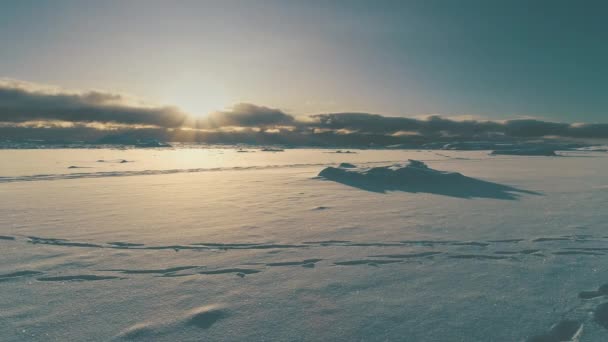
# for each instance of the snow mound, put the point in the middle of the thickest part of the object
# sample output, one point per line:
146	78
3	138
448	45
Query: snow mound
198	318
119	161
272	149
413	172
416	176
539	151
343	152
151	143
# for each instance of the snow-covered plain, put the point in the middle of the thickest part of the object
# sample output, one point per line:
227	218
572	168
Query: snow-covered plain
219	245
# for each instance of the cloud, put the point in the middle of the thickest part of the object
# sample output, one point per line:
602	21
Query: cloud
32	111
247	115
21	102
437	127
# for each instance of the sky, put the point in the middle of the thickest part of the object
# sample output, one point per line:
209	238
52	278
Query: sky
314	72
493	59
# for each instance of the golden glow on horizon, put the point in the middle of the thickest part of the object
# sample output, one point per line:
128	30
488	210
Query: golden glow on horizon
199	105
196	97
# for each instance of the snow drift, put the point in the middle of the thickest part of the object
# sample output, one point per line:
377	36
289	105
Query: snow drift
415	176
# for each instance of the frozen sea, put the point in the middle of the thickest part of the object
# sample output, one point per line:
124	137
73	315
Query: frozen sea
194	244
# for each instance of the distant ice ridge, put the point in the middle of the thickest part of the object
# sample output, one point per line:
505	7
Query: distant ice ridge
129	141
417	177
272	149
536	151
506	145
597	148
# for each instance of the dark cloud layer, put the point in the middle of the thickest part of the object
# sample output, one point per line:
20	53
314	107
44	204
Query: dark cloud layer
247	115
21	103
18	103
436	126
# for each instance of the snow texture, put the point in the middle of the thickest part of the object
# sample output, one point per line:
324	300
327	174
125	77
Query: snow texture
216	245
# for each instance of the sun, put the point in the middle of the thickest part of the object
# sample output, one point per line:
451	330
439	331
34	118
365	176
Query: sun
200	106
198	99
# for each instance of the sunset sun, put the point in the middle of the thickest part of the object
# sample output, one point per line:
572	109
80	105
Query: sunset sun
197	98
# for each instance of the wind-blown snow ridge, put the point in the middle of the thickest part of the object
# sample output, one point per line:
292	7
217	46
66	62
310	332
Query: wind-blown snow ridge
415	176
103	174
214	246
374	254
588	309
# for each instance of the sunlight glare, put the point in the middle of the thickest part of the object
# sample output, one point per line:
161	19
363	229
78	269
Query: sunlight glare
198	99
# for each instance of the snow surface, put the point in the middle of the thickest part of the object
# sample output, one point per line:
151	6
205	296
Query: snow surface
217	245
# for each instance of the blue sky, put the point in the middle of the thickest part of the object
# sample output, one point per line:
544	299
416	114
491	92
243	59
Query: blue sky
493	59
